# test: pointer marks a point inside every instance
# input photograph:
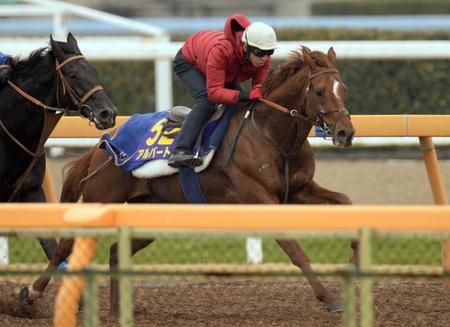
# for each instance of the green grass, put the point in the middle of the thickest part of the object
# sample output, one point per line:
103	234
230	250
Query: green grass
195	251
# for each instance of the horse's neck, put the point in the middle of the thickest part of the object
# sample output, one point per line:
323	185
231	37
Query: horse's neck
21	117
284	130
39	81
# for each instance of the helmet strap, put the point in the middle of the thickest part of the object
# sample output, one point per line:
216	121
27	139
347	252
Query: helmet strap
247	54
247	48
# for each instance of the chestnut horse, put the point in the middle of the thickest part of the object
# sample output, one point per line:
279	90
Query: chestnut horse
273	162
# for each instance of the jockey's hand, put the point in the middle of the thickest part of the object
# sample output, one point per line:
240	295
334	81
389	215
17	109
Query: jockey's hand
4	74
254	94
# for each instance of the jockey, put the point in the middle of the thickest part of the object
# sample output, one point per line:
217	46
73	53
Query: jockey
211	64
4	68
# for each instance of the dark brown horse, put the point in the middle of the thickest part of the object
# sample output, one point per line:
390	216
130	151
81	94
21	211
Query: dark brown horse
273	162
51	82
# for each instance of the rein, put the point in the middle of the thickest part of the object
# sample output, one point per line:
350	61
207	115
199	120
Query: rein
51	118
295	112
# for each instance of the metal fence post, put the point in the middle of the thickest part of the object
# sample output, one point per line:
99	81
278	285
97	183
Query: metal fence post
348	296
365	262
91	300
125	284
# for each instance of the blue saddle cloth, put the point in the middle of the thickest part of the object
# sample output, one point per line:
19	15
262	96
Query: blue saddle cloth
144	137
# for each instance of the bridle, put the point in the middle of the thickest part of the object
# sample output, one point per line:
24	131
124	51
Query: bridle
318	119
78	101
51	115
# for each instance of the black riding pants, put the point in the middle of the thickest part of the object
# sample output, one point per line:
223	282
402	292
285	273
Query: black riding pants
195	82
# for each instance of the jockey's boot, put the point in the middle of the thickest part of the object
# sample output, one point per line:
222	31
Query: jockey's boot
182	154
184	158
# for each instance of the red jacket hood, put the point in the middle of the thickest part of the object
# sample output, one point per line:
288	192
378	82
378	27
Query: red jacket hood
233	30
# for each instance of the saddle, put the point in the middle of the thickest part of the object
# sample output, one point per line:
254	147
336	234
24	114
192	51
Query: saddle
177	115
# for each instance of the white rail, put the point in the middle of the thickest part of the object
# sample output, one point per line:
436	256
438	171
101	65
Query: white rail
148	48
60	11
152	43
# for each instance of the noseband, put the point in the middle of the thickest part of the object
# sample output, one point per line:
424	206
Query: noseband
318	119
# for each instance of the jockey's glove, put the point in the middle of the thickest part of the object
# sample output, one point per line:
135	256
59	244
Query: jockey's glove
4	73
254	94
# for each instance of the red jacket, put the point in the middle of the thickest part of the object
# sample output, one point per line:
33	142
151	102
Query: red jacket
220	56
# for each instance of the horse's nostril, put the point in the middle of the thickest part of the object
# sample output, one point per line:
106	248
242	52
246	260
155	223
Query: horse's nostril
345	136
341	134
107	115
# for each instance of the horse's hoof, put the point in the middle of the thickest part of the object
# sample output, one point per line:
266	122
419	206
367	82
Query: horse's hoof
335	307
353	263
24	296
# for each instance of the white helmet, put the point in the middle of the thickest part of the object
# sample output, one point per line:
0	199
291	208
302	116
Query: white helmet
261	36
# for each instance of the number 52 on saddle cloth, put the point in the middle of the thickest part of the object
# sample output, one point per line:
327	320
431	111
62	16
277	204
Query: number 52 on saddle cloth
143	143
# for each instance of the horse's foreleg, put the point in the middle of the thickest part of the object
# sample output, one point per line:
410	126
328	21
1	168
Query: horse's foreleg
354	259
37	195
315	194
301	260
49	246
30	293
136	245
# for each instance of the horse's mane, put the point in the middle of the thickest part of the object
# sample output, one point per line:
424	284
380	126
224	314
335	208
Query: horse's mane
296	62
37	55
31	61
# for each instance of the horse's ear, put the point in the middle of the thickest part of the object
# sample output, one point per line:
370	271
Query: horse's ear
307	58
72	42
56	48
52	42
332	56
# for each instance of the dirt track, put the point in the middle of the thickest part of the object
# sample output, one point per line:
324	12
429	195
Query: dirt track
246	303
252	303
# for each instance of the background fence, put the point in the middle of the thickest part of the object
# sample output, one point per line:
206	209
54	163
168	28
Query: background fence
414	224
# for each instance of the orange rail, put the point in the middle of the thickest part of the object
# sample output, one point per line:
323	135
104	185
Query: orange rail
365	125
227	217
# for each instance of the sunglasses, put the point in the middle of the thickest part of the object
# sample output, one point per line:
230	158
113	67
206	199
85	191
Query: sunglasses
261	53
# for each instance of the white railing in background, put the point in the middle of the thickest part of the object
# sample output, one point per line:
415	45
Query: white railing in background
152	43
60	11
162	52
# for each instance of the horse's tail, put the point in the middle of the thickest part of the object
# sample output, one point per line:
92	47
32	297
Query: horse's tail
74	172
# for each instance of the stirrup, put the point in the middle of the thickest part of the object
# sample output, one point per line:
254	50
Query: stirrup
177	160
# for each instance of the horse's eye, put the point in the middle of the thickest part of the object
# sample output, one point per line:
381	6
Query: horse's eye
71	74
319	93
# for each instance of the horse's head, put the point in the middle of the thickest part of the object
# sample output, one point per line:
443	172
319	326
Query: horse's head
325	95
79	88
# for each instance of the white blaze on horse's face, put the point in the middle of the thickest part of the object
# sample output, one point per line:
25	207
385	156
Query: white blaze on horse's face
336	88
